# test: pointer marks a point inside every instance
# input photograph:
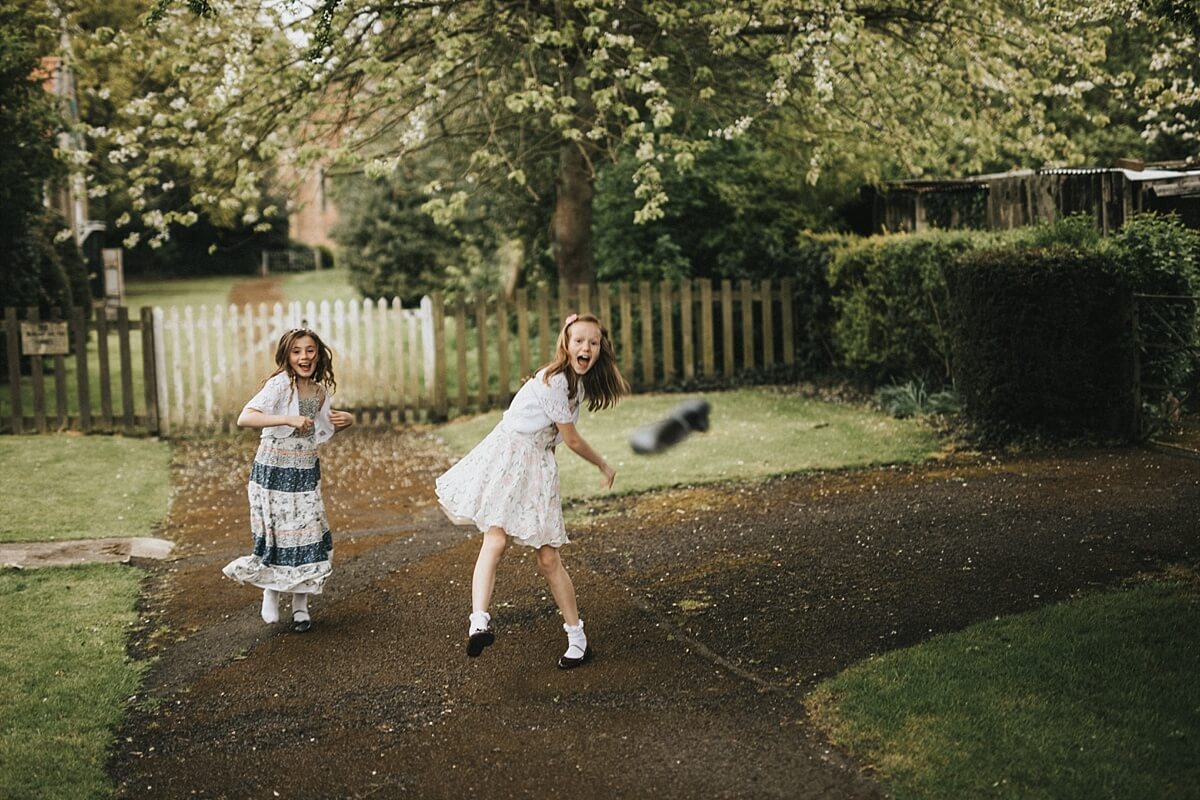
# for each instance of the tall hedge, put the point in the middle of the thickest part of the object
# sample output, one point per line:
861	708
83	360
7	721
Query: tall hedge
814	310
1041	340
889	293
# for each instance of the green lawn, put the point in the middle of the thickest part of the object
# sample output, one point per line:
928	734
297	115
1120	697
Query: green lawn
209	291
318	285
1094	698
325	284
65	677
754	433
75	487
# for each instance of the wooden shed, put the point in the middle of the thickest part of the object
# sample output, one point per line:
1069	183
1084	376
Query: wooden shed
1027	197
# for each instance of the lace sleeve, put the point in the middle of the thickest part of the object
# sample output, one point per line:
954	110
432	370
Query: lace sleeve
554	402
273	397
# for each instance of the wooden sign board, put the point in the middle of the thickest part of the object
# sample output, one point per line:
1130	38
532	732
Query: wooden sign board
44	339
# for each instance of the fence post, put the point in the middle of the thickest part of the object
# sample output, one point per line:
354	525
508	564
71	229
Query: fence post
646	309
626	354
747	292
39	387
126	367
150	368
523	331
707	337
389	313
786	322
79	322
727	328
408	399
668	333
12	330
545	345
481	339
440	391
768	325
460	351
502	348
687	332
429	371
604	301
106	415
60	383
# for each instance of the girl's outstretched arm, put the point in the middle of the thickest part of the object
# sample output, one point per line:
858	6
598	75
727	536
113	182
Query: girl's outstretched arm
340	419
253	418
575	441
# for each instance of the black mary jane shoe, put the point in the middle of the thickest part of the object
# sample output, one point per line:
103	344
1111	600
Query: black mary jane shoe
301	625
571	663
477	641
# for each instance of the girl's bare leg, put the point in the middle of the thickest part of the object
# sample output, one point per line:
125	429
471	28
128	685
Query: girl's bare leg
495	542
561	586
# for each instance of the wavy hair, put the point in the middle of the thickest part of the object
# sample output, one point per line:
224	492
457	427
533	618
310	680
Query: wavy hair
322	372
603	384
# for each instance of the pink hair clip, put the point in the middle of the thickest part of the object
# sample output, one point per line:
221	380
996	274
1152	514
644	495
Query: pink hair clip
569	320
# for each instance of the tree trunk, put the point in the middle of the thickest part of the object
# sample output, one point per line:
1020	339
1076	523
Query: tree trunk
571	224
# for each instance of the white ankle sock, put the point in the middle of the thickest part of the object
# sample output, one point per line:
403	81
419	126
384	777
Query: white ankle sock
479	622
270	606
576	640
300	604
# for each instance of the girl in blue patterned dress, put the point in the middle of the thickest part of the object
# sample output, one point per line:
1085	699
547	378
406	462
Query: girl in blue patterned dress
507	486
292	542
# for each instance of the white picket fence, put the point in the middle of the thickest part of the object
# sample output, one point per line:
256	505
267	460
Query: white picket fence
211	360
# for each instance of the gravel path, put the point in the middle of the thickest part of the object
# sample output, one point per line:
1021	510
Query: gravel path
713	610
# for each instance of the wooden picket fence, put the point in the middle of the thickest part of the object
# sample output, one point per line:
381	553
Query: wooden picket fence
210	361
105	383
190	370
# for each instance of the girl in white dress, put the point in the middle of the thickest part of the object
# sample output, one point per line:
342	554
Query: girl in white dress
507	486
292	542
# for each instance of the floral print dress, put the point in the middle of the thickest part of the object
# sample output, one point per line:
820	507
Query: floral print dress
292	542
510	479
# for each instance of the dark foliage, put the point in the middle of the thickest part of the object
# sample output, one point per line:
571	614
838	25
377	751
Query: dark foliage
1038	341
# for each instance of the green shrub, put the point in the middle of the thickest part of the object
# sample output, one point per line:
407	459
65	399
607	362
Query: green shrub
1157	255
889	294
913	399
325	256
1039	343
1077	231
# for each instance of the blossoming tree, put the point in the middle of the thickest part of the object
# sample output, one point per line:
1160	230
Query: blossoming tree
508	91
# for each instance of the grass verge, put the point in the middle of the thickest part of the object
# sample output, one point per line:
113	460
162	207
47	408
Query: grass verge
1092	698
64	678
77	487
754	433
318	285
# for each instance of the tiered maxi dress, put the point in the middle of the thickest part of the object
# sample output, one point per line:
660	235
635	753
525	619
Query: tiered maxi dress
510	479
293	546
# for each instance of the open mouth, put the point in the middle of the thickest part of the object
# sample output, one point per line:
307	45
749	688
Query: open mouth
583	361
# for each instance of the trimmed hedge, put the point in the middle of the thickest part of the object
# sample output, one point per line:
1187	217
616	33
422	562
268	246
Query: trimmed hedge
814	310
889	293
1041	341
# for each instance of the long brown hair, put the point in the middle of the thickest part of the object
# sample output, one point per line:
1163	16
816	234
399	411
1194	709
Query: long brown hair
603	383
322	371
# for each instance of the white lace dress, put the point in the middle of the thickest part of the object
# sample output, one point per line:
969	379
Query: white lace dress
293	546
510	479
